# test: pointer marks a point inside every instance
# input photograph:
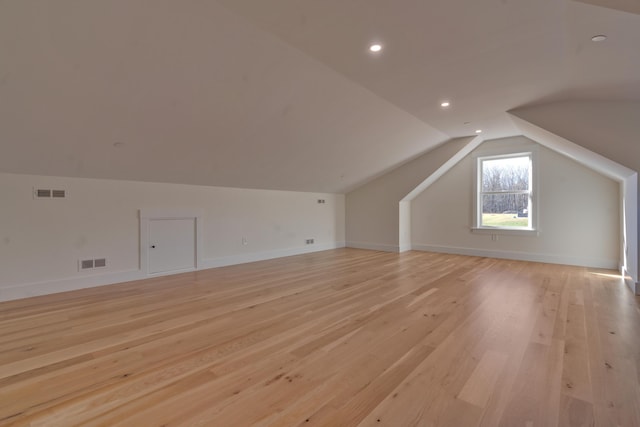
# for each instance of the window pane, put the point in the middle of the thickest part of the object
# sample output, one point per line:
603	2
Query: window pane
506	174
505	210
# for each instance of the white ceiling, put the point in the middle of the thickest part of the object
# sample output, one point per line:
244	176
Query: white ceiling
283	94
486	56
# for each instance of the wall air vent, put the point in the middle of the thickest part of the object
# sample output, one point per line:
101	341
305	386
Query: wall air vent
90	264
86	264
45	193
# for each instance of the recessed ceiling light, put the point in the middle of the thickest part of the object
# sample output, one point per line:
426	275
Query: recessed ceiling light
599	38
445	104
375	47
478	130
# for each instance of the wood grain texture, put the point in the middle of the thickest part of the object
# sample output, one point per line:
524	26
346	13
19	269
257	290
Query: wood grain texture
338	338
479	386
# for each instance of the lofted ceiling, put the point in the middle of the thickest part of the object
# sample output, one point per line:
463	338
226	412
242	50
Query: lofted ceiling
283	94
486	56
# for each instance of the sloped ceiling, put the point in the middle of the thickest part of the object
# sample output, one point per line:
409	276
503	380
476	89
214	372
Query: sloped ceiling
486	56
632	6
283	94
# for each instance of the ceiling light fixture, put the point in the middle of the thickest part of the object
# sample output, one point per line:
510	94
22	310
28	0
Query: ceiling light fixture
375	47
445	104
599	38
478	130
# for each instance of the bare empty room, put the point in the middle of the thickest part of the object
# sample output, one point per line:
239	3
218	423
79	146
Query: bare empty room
319	213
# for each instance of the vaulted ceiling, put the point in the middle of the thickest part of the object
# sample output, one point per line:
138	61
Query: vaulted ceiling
284	94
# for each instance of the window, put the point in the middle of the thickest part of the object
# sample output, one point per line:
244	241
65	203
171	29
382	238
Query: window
505	192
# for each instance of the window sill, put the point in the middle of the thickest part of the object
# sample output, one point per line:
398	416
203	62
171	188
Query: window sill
505	231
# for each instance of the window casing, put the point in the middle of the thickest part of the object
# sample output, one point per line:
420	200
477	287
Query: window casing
505	193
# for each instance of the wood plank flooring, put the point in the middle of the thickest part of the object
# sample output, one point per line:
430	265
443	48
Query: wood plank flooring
338	338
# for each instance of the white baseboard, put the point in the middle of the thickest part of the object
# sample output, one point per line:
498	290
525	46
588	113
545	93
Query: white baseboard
374	246
262	256
633	285
521	256
68	284
75	283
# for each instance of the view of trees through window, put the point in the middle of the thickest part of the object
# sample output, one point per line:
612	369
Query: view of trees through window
505	191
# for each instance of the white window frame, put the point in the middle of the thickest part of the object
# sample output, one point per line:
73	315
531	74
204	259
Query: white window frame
528	150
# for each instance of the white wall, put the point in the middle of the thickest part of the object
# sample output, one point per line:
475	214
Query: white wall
41	241
372	210
196	85
611	129
579	214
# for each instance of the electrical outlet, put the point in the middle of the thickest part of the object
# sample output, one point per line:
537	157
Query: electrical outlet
321	201
309	241
245	242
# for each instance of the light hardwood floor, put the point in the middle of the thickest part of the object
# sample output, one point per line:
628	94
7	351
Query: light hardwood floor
338	338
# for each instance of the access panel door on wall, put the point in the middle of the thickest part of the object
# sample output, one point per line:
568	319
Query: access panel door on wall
172	245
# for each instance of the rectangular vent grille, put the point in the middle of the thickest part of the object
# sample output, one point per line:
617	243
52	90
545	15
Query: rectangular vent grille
45	193
90	264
